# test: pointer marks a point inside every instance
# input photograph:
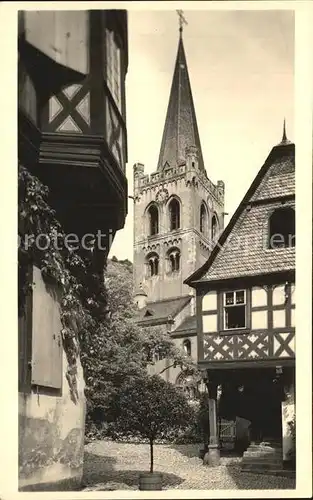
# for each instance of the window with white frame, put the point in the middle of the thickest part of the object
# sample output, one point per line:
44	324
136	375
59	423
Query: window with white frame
113	67
235	310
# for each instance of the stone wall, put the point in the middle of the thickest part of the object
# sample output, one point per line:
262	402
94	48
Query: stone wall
51	440
51	423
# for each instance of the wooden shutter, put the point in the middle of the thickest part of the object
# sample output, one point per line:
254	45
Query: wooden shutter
46	336
25	332
22	358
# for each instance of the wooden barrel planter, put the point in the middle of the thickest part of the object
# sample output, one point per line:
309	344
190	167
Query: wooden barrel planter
150	481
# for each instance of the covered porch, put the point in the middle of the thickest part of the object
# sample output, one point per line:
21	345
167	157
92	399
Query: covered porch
251	408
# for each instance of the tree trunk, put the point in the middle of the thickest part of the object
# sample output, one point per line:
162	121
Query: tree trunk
151	455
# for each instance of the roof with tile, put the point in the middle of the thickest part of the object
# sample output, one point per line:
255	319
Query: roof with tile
278	181
162	311
189	325
242	249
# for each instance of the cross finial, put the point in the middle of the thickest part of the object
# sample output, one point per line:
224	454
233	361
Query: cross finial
181	21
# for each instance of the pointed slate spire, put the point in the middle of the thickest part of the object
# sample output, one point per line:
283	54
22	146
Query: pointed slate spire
284	138
180	129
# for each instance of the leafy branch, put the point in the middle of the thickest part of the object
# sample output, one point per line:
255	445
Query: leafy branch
83	296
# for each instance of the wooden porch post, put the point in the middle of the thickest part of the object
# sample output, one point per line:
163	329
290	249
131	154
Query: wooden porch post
212	457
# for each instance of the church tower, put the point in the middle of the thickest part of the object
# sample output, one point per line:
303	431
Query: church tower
178	211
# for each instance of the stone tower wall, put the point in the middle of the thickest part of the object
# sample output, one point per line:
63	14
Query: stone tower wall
190	187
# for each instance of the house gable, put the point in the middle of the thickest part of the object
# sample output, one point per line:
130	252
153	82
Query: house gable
242	249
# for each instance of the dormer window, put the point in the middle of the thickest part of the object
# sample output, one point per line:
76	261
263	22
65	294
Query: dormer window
235	310
153	215
174	213
281	233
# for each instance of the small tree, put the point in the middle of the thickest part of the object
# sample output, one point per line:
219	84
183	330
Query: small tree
150	408
119	350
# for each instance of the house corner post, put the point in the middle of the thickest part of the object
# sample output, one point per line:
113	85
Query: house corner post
212	457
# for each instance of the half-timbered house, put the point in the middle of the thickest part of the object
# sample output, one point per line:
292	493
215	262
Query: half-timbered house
246	313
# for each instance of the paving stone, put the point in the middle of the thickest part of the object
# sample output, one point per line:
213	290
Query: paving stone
107	461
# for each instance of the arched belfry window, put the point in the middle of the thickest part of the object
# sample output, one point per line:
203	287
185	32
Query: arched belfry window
174	213
173	256
153	216
203	218
187	347
214	227
281	228
152	262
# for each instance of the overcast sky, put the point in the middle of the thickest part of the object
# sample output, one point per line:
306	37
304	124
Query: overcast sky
241	68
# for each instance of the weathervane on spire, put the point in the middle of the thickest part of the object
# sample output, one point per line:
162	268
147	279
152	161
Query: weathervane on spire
181	21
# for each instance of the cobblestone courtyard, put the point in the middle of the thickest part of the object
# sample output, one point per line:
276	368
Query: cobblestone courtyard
107	461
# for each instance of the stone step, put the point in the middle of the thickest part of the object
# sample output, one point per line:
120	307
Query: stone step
262	447
261	460
269	457
262	454
270	472
262	467
274	444
259	456
264	450
253	455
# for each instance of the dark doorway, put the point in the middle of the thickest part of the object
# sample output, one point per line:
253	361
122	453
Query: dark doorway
255	395
265	402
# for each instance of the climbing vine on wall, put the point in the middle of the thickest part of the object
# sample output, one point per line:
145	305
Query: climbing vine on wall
83	302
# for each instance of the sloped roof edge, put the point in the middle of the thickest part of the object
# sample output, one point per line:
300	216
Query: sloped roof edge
177	305
274	153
